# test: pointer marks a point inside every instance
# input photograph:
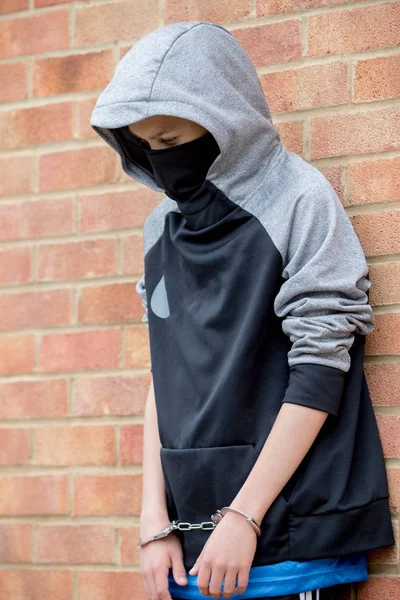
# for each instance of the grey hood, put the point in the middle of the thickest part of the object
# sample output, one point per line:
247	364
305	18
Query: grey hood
196	71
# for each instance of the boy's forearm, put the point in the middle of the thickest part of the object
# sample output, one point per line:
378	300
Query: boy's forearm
290	438
154	506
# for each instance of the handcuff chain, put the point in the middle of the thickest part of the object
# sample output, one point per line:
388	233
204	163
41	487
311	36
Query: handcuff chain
206	525
183	526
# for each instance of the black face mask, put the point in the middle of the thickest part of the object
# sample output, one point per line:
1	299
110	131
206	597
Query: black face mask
180	170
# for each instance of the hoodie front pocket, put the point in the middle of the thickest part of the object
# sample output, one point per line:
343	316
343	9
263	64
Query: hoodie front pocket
201	480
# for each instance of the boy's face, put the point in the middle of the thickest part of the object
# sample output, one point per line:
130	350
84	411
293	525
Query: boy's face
165	131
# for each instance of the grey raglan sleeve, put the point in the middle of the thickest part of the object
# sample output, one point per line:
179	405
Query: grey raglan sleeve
152	230
141	290
324	298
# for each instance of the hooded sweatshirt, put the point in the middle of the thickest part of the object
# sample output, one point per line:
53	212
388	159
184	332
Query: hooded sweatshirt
256	292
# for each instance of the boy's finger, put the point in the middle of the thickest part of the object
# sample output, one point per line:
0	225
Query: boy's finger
229	583
215	585
150	584
161	585
203	580
178	570
243	580
145	585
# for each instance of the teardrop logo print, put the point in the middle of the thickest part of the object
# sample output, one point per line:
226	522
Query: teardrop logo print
159	300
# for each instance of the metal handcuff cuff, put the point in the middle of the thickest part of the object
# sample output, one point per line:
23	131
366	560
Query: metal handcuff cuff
215	519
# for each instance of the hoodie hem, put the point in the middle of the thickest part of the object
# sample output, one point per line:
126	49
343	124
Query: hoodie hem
362	529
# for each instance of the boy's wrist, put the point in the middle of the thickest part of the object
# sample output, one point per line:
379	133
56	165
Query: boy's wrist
152	520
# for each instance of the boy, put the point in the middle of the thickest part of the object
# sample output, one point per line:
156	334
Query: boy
263	467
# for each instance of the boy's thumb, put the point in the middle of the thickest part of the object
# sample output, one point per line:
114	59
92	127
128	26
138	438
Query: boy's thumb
178	571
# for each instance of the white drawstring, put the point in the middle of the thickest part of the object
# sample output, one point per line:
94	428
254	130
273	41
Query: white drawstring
308	595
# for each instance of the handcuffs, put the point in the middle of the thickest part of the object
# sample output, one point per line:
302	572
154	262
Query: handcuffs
206	525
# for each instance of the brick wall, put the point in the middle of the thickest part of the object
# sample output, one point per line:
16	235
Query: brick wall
74	355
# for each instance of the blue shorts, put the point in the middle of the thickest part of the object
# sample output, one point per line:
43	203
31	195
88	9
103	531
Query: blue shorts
340	591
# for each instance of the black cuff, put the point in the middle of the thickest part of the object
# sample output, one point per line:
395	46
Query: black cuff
316	386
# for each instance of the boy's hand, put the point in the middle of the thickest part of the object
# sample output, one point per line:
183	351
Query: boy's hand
156	558
227	554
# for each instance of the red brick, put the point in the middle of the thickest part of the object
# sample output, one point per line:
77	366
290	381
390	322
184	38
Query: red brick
15	177
34	495
15	446
383	383
385	339
377	78
80	351
274	7
113	303
77	168
75	260
120	210
291	134
111	395
15	266
117	495
389	554
47	308
17	354
36	218
31	584
76	544
65	446
372	131
394	487
130	552
85	108
34	34
8	6
341	32
131	448
379	588
308	87
14	85
133	254
271	44
137	348
42	3
34	399
74	73
15	542
115	21
385	287
389	430
207	10
111	585
39	125
373	181
335	174
379	233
